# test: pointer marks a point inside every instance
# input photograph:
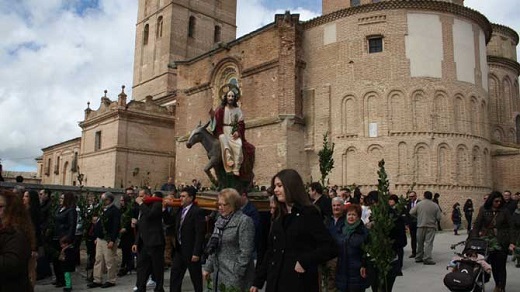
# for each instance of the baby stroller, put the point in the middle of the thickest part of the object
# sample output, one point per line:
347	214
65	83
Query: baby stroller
468	269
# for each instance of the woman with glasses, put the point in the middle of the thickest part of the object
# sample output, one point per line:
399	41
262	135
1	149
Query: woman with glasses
65	220
16	240
494	224
298	242
231	246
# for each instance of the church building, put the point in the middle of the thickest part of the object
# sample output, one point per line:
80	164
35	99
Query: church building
429	86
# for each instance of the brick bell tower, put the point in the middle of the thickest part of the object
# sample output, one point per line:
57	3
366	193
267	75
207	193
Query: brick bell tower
173	30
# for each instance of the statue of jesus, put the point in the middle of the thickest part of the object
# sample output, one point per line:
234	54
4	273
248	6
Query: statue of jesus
227	124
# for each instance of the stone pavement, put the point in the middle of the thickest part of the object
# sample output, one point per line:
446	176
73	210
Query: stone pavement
417	277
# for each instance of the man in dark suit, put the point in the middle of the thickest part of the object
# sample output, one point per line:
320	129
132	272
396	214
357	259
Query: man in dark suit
190	230
412	221
149	241
322	202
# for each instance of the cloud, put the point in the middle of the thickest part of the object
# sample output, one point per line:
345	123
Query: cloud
248	22
55	57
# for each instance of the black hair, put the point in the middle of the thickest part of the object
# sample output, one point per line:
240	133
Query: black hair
494	195
316	186
428	195
191	191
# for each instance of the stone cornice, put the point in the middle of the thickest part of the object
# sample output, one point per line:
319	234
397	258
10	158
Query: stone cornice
439	6
123	113
119	149
65	143
259	68
499	28
501	61
198	88
438	134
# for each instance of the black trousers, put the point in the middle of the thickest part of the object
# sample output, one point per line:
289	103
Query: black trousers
413	236
56	263
150	258
498	259
179	265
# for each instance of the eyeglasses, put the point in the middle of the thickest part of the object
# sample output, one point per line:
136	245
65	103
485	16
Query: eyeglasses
497	201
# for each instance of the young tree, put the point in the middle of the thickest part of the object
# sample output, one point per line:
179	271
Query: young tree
379	246
326	160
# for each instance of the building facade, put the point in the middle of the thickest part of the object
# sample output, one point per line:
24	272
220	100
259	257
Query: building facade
430	86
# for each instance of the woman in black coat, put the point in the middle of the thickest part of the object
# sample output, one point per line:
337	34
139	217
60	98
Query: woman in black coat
351	270
64	225
468	213
298	241
16	239
494	223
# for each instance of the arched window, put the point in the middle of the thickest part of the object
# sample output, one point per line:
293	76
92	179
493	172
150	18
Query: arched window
145	34
518	129
216	34
191	27
159	27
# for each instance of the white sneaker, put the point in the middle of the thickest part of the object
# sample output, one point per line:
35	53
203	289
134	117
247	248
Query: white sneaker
150	283
135	288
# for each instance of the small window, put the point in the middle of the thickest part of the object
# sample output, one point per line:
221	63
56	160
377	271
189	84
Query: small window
145	34
354	3
97	145
216	35
191	27
375	44
376	1
48	167
57	166
159	27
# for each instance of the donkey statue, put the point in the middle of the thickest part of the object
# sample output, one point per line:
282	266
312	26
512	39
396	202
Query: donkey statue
212	146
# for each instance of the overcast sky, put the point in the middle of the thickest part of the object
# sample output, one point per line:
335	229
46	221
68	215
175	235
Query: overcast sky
57	55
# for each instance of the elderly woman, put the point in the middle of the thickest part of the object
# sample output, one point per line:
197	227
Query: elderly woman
16	238
351	270
231	245
495	224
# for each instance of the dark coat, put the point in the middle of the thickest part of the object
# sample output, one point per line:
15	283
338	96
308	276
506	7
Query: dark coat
325	205
515	219
335	229
65	223
15	252
456	217
351	260
299	236
192	232
67	259
488	221
250	210
111	220
149	225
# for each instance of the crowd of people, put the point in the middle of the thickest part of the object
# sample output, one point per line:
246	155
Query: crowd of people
310	231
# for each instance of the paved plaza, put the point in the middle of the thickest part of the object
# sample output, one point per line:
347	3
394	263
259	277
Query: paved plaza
417	277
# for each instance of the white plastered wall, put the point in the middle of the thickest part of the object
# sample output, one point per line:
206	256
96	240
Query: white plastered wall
464	50
424	46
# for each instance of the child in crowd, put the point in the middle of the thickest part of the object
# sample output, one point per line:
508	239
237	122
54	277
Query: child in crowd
456	218
67	257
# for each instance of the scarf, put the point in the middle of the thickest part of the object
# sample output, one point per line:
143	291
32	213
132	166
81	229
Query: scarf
348	229
220	225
